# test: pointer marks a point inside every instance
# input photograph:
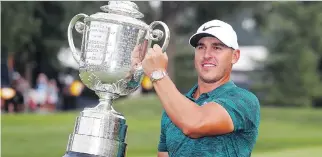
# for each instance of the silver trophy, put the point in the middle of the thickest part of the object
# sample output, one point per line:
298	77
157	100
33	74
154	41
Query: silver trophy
114	43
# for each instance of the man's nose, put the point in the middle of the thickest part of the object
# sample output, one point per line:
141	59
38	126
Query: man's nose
208	53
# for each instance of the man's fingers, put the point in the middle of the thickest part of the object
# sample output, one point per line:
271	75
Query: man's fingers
157	48
145	43
135	52
165	55
150	52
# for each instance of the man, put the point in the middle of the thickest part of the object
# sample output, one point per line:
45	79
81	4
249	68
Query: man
215	118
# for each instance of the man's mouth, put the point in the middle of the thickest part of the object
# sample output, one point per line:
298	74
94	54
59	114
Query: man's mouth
208	65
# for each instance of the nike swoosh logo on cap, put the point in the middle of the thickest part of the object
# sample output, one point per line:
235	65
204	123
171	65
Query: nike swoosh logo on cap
206	28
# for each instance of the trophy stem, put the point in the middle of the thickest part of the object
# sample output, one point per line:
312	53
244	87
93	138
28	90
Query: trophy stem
106	101
105	104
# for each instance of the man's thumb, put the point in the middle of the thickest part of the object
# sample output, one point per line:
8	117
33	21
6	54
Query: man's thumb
165	55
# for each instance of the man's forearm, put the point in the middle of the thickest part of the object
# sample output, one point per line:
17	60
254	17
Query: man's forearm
183	112
163	154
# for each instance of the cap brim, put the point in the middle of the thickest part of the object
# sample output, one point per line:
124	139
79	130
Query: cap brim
196	37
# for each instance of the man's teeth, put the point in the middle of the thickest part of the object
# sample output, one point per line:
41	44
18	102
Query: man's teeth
208	65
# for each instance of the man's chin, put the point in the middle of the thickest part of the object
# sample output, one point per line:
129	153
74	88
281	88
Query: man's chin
208	80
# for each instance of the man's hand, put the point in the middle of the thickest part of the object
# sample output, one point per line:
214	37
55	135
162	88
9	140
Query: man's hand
137	56
138	53
154	60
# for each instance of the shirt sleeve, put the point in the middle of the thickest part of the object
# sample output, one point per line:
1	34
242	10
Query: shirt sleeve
244	110
162	147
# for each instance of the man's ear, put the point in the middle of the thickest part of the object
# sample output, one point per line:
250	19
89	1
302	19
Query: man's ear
235	57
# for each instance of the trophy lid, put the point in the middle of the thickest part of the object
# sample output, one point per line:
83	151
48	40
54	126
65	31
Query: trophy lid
120	12
126	8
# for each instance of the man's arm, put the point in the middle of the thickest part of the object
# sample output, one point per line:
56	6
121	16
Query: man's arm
162	146
163	154
194	120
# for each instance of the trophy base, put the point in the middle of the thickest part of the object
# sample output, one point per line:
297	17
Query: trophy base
76	154
96	146
98	133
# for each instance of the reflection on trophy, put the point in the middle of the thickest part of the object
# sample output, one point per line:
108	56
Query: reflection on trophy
113	47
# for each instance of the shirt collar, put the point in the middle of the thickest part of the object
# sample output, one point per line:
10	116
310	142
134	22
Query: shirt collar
222	88
191	92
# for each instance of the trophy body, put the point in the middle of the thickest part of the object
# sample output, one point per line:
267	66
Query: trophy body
113	46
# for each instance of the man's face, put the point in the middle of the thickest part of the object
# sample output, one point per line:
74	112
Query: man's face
213	59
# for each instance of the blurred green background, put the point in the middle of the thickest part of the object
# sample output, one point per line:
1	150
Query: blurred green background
283	132
281	62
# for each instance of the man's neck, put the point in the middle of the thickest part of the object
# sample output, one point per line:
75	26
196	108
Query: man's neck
204	87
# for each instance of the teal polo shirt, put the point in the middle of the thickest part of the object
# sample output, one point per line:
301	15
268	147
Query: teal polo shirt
244	110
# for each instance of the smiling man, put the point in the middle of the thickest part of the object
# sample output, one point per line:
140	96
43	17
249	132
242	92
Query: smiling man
215	118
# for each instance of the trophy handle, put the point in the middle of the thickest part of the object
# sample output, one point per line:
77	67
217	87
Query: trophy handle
154	35
79	26
157	34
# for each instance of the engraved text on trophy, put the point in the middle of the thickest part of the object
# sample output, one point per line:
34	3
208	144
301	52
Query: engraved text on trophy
101	39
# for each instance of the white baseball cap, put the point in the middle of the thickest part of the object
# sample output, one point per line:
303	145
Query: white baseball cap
218	29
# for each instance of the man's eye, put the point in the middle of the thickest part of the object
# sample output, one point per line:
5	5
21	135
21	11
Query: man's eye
218	48
199	47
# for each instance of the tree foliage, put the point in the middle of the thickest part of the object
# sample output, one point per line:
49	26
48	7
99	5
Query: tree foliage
18	25
35	31
292	75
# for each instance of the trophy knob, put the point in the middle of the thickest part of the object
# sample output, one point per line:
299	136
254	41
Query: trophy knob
156	35
79	26
126	8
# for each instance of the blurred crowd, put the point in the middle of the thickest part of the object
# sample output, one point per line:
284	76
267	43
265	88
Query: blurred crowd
45	96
